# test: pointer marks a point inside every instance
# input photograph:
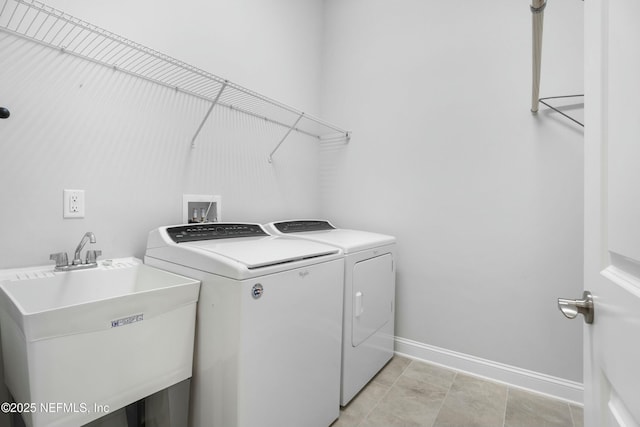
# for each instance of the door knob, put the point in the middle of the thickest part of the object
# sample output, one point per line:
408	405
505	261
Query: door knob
571	307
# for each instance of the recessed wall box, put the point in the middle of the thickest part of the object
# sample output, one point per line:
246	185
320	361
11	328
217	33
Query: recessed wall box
201	208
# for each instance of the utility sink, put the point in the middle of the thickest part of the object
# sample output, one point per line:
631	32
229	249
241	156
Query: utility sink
80	344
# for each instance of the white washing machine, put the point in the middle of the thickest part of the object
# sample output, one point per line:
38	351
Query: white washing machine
269	324
369	297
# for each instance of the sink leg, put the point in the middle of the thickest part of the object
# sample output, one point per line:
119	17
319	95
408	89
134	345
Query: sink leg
135	414
15	419
132	414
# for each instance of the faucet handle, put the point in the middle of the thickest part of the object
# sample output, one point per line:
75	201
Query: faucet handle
60	258
92	256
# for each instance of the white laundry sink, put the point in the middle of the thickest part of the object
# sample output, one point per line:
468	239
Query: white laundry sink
79	344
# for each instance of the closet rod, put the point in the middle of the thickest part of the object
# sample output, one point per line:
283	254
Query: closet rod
537	20
537	24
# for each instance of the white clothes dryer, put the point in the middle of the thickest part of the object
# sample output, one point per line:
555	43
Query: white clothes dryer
369	297
269	322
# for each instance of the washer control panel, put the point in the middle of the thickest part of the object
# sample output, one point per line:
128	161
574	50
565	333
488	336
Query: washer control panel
303	225
195	232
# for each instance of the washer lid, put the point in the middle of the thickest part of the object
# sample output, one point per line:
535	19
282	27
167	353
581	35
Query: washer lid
323	232
234	250
258	252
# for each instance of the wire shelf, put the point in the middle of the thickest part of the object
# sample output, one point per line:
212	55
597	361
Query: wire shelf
51	27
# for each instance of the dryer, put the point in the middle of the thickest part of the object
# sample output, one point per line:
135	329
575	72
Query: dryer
369	296
269	322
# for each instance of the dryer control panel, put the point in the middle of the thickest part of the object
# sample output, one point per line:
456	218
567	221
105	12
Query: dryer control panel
303	225
195	232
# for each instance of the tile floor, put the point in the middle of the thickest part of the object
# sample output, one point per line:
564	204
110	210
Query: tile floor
412	393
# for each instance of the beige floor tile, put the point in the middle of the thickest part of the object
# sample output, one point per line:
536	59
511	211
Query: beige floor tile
431	374
346	421
381	418
410	402
526	409
473	402
390	373
410	393
361	405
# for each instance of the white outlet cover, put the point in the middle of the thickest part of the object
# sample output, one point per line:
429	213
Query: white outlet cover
73	204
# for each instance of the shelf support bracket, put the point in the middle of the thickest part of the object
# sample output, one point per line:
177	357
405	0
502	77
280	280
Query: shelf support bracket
343	136
292	127
213	104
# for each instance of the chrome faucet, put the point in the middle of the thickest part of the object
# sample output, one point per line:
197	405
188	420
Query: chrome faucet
62	263
88	236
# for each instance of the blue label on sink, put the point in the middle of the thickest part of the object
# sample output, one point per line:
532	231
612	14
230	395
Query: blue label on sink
127	320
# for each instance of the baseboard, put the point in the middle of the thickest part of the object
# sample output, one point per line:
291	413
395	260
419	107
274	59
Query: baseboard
536	382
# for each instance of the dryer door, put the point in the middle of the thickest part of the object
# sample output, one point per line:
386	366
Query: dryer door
373	281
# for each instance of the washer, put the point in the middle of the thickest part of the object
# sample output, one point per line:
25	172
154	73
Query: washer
269	323
369	297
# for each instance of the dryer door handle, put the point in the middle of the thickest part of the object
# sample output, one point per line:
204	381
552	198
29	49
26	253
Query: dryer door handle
359	309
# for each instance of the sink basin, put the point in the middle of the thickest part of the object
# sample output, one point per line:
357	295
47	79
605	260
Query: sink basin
80	344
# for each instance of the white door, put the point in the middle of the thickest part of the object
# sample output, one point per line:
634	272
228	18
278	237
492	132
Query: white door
612	212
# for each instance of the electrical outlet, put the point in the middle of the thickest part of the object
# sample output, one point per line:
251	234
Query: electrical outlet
73	204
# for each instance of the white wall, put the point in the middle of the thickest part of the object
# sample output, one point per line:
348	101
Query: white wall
484	197
126	142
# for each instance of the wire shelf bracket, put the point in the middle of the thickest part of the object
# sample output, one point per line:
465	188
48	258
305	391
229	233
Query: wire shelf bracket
43	24
293	126
557	110
213	104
